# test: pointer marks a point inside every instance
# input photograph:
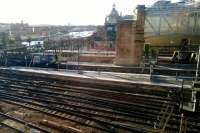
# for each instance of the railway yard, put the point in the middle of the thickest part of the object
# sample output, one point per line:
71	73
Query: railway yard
136	73
49	101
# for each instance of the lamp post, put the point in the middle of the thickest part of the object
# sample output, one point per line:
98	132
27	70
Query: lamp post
78	55
197	70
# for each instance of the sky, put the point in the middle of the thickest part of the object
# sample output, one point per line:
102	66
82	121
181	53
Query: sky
64	12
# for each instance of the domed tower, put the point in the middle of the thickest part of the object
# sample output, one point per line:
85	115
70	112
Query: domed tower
110	24
113	17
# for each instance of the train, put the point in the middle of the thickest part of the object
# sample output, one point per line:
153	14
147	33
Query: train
28	59
44	59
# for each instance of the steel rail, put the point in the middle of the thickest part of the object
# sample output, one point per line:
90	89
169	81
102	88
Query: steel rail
49	91
10	127
51	111
101	103
63	84
24	122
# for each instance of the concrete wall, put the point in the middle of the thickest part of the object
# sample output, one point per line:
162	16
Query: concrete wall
90	58
97	59
104	46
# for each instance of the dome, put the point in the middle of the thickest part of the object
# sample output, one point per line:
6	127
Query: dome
113	17
114	12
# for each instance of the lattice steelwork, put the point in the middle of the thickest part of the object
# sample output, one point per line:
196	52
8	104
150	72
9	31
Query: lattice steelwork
166	18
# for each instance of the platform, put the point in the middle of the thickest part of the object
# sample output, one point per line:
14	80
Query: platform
116	78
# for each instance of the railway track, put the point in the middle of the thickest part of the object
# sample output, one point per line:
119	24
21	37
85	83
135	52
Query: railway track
27	124
104	109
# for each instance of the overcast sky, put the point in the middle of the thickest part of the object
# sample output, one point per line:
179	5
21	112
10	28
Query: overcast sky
64	12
